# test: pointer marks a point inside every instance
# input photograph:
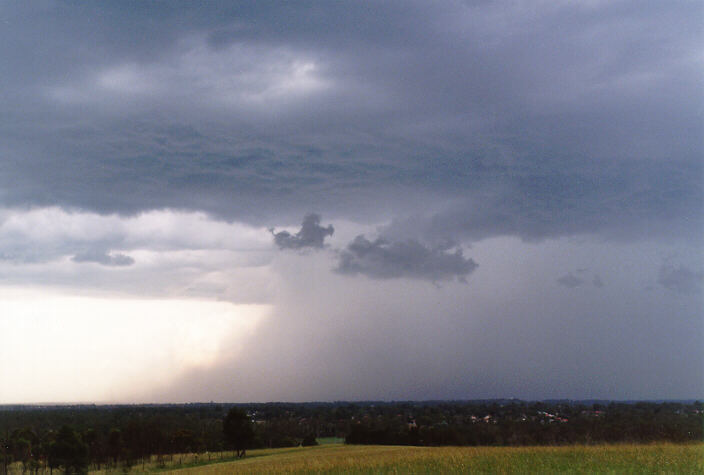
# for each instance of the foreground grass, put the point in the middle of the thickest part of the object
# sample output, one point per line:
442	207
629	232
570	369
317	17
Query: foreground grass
656	458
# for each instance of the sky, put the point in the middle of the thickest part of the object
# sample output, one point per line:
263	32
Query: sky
276	201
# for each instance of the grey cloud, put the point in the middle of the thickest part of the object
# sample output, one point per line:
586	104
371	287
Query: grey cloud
603	137
597	282
104	258
627	202
680	279
382	259
570	281
311	235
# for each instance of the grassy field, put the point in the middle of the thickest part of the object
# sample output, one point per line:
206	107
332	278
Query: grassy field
335	458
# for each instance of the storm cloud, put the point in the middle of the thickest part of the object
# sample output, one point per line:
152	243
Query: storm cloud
536	122
381	259
311	235
146	148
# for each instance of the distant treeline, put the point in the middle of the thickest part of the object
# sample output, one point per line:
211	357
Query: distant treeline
111	436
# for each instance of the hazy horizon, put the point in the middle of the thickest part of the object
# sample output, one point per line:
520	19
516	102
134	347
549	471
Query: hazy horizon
351	201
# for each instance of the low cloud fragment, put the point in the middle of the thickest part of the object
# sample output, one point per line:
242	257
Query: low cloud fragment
597	281
104	258
382	259
570	281
311	235
578	278
680	279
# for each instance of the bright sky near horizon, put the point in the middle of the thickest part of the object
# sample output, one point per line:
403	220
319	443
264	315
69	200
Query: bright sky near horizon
58	346
239	201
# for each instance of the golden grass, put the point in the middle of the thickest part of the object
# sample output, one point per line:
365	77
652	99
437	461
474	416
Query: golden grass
655	458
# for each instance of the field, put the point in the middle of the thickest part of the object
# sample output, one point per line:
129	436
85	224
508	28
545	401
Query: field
332	457
335	458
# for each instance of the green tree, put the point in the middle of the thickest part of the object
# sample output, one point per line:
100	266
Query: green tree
115	445
238	431
5	457
68	451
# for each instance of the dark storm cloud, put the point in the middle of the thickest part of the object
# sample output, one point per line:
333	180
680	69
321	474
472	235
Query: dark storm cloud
627	202
381	259
574	126
104	258
680	279
311	235
501	119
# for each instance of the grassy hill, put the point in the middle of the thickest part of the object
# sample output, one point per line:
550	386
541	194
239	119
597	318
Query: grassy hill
336	458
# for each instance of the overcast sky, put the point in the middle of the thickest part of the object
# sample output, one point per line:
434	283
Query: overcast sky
351	200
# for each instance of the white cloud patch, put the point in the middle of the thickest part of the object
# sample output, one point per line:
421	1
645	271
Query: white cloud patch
241	75
55	228
158	253
125	79
104	258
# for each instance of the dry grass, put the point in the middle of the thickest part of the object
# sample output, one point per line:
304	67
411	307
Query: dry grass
656	458
359	459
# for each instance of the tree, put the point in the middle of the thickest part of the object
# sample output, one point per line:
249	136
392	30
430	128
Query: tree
238	431
68	451
90	437
115	445
22	451
4	456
